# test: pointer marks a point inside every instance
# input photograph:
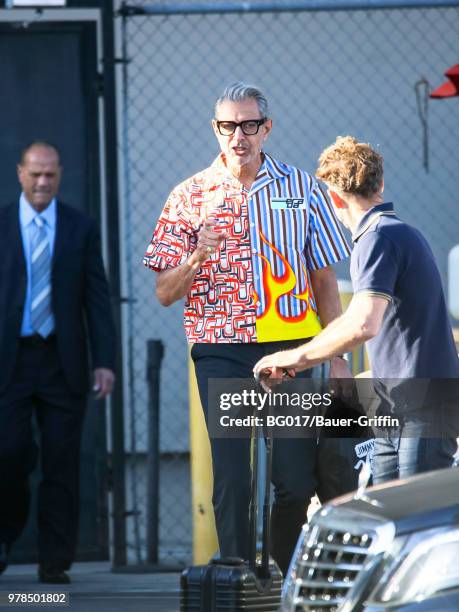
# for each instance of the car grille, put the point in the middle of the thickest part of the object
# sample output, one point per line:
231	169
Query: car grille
328	568
330	556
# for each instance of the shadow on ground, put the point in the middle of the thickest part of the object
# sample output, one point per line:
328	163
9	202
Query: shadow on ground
95	588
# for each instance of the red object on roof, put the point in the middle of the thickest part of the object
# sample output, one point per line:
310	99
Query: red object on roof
451	87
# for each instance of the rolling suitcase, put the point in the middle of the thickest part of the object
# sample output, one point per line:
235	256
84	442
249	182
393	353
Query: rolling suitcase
232	584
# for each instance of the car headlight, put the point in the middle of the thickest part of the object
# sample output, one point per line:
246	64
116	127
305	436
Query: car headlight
427	564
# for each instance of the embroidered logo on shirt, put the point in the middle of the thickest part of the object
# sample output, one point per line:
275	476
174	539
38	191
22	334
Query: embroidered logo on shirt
288	203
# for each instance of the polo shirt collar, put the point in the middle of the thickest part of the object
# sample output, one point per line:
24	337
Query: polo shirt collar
370	217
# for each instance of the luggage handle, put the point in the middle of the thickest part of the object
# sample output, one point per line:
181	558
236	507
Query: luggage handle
231	561
263	570
266	532
253	506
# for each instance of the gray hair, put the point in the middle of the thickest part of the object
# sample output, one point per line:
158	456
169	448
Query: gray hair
237	92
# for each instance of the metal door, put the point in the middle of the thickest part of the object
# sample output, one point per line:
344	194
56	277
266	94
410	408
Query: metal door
49	91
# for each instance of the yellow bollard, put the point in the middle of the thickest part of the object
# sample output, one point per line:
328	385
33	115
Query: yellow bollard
205	542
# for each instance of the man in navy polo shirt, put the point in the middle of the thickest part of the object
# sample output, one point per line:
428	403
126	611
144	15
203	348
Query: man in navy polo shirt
398	308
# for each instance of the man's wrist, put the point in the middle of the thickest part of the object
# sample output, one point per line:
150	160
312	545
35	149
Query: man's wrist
193	263
301	357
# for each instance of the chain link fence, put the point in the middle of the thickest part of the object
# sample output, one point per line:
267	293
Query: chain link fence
364	72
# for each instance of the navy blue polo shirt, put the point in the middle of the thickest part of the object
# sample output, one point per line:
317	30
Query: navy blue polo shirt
393	260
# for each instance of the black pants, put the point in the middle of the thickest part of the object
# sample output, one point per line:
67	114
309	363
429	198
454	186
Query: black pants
38	387
298	463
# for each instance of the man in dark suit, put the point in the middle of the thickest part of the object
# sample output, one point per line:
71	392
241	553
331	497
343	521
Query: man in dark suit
53	298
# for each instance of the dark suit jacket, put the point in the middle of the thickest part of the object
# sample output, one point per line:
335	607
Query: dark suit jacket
80	296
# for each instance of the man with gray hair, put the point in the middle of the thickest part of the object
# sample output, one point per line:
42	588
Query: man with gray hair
250	243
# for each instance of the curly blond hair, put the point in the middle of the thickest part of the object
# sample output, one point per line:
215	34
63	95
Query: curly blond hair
351	166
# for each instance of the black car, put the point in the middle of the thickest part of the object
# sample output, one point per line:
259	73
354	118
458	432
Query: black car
392	547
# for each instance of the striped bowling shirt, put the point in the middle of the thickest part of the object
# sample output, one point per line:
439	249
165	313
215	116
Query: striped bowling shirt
256	287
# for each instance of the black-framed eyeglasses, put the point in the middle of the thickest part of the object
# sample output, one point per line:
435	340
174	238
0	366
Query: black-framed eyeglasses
249	127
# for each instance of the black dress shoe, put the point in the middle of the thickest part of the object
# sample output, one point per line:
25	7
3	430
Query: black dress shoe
3	557
53	575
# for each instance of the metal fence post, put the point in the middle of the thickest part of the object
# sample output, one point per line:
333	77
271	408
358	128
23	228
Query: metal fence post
118	464
155	352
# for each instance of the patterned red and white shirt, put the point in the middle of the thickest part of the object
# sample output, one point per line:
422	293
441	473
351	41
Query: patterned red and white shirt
256	287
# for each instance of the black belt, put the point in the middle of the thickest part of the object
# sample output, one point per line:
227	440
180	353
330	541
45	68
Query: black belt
37	340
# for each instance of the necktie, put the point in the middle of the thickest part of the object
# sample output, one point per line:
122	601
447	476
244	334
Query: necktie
41	312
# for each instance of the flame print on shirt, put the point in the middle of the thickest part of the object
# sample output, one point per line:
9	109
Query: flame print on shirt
271	324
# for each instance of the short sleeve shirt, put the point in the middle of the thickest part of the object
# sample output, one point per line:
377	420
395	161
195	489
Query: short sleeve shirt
393	260
256	287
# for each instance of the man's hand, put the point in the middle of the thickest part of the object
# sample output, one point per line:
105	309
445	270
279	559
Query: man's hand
339	368
341	378
173	284
280	365
104	379
208	240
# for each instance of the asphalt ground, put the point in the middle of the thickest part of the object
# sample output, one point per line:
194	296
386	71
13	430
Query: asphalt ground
95	588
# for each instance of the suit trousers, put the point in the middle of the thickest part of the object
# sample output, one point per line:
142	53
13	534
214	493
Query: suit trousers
38	389
297	462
